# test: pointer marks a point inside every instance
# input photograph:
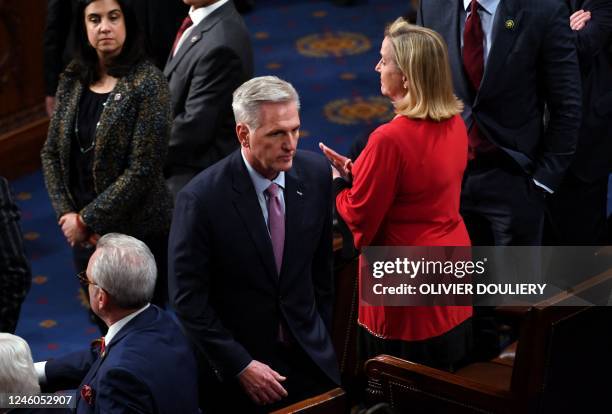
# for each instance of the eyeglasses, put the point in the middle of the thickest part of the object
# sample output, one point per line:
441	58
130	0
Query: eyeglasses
82	276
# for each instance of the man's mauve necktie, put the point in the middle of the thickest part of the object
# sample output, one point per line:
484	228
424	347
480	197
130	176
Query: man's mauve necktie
276	224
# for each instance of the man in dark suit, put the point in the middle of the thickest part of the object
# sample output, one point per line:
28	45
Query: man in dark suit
210	58
509	58
578	208
250	261
15	275
144	363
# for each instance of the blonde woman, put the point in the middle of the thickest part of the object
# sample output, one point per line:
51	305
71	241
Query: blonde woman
404	189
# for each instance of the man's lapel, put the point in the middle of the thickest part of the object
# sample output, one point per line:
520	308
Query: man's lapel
93	371
506	28
451	30
294	214
88	380
246	203
195	36
145	318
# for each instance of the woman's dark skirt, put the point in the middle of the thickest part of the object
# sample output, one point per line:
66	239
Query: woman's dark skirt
448	351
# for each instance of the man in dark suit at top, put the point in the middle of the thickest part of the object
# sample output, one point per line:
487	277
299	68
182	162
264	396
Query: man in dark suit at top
509	58
578	208
144	364
210	58
250	261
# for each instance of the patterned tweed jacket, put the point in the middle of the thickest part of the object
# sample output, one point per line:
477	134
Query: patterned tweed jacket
130	150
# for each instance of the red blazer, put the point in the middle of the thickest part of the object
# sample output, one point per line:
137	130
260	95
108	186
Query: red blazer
406	187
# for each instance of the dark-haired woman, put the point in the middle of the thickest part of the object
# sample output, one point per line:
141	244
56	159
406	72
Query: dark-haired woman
108	136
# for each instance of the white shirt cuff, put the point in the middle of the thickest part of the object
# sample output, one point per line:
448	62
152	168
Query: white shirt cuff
539	184
40	372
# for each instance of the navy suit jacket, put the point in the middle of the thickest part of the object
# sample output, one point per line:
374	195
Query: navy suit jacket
594	154
532	62
222	274
148	367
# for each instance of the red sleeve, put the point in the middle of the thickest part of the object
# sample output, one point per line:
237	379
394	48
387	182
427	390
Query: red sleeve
375	181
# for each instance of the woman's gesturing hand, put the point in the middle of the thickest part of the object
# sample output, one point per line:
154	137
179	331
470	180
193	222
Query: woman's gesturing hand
342	166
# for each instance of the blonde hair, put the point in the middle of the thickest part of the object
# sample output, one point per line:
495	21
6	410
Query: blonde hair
422	57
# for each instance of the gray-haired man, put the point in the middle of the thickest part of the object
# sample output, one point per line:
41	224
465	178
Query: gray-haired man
250	261
134	367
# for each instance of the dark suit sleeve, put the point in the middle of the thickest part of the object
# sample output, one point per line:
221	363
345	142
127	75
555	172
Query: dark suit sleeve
561	82
322	261
68	371
595	37
15	276
59	14
215	77
190	275
120	392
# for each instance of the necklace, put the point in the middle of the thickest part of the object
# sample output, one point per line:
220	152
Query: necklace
76	128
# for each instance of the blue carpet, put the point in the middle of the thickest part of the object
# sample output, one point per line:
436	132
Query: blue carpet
327	52
53	318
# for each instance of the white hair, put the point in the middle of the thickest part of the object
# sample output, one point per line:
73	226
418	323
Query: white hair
125	268
250	95
17	373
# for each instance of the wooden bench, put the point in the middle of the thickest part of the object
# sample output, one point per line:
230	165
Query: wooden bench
331	402
562	364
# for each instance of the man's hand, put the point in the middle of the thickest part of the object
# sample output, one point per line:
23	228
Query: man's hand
73	228
262	383
340	163
579	19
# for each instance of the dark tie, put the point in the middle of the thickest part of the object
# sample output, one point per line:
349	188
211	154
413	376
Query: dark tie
276	226
473	47
473	61
276	223
100	343
187	23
